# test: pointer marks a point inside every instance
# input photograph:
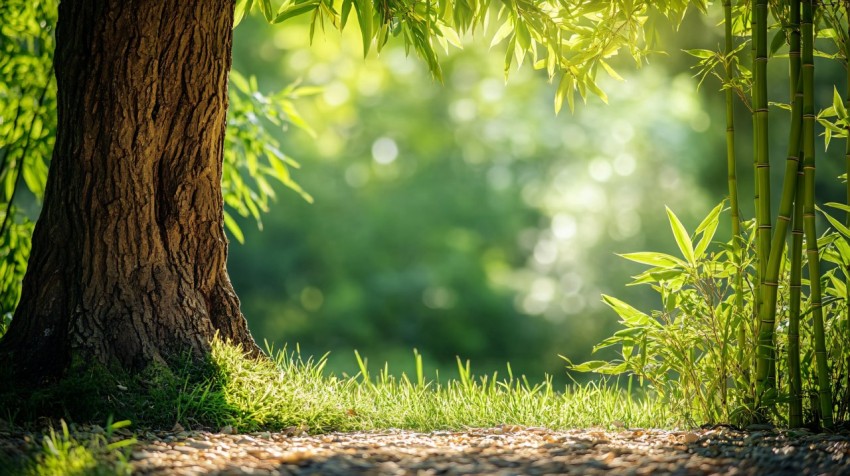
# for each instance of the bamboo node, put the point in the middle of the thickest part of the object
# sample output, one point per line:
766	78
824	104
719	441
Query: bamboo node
763	165
784	218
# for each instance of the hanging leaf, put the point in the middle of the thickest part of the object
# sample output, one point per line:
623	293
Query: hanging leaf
268	12
502	33
243	8
233	227
295	10
363	8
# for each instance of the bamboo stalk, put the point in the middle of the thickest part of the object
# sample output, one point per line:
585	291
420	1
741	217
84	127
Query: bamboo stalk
731	167
824	390
795	409
765	351
795	405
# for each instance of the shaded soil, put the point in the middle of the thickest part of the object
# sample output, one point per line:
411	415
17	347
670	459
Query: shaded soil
505	450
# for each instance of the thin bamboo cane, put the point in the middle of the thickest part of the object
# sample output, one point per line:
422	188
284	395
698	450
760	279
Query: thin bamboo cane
824	390
795	406
795	410
762	164
731	167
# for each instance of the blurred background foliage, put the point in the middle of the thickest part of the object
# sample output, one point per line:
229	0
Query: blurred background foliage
465	218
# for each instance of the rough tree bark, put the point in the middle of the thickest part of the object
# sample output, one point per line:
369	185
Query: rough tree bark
128	256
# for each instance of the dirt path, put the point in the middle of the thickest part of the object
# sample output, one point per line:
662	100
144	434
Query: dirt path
505	451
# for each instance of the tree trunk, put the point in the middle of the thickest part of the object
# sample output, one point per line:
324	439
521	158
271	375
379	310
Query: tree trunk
128	256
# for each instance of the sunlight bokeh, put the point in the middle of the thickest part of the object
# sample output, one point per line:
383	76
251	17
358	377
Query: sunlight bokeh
464	218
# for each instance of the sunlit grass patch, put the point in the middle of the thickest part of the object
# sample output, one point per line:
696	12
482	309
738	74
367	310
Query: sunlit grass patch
289	392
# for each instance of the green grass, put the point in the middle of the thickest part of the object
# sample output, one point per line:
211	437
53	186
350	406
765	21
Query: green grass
62	453
287	391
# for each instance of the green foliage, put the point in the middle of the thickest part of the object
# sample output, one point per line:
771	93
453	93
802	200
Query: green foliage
687	350
27	122
289	391
572	39
251	151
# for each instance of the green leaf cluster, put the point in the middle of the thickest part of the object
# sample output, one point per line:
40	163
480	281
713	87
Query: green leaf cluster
252	154
687	350
570	39
27	125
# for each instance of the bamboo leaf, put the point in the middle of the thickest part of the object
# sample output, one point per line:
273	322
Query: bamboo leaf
700	53
652	258
681	235
838	104
840	206
707	236
708	227
840	227
713	216
777	42
599	366
657	275
631	316
843	249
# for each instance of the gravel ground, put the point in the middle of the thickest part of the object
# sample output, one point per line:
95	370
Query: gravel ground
504	450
